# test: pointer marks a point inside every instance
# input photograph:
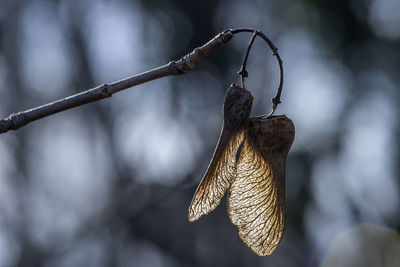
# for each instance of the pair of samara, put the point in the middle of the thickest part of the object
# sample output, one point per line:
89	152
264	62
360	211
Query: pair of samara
249	160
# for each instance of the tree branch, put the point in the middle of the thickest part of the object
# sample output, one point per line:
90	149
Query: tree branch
19	119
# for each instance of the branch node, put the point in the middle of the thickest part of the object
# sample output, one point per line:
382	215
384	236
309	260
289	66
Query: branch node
17	120
243	72
276	101
105	92
190	60
173	68
226	36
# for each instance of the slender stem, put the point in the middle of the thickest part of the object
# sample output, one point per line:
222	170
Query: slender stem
243	72
186	63
19	119
276	100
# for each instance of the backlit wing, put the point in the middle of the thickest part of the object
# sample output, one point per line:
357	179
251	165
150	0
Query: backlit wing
256	202
219	175
221	171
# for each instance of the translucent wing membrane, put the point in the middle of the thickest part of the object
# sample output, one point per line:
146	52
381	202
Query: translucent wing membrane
256	201
249	159
221	171
219	176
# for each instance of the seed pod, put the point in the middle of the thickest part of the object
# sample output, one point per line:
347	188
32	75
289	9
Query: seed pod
250	159
256	202
221	171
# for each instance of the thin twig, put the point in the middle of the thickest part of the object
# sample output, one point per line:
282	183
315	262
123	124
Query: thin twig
276	100
19	119
243	72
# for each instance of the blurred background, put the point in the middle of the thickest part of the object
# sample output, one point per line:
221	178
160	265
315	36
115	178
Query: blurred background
109	183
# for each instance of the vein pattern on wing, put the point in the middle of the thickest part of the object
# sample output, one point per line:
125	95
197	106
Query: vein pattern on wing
219	176
256	200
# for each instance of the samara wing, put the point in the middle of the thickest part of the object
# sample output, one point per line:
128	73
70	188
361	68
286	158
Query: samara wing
221	171
256	202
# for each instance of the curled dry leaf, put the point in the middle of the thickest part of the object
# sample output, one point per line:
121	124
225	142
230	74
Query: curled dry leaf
250	159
